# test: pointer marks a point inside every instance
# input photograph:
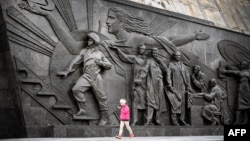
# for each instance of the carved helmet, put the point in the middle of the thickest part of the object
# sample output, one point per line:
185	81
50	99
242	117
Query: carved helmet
94	37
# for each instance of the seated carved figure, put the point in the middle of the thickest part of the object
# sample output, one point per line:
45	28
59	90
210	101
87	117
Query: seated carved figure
199	79
216	96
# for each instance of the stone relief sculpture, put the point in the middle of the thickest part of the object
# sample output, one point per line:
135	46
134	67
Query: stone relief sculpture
178	84
130	32
139	86
199	79
93	63
214	109
243	97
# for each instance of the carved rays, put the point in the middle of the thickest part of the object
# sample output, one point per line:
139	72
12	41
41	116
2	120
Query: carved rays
24	21
22	38
26	40
64	8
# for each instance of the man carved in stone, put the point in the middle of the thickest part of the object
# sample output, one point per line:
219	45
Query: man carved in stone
243	99
93	63
199	79
155	92
178	83
139	86
216	96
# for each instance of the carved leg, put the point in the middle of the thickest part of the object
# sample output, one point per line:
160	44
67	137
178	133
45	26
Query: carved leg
174	119
215	121
150	113
238	117
135	116
78	93
80	98
183	115
81	106
157	118
104	118
245	120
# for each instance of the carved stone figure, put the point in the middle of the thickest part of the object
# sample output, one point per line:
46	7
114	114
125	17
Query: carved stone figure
199	79
243	98
178	83
216	96
156	100
139	86
93	63
126	28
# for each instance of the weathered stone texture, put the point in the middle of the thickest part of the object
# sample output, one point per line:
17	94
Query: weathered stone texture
218	11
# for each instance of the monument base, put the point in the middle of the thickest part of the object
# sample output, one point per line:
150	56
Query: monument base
111	131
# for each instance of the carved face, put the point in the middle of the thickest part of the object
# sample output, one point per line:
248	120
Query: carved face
177	56
114	25
91	42
196	69
243	65
142	49
155	52
212	83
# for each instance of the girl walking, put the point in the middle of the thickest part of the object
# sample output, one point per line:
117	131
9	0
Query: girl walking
124	119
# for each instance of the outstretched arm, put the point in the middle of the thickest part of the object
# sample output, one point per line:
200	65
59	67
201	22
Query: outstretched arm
234	72
181	40
124	57
64	36
162	65
72	66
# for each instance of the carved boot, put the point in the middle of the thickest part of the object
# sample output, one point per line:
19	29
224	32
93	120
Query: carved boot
81	111
104	118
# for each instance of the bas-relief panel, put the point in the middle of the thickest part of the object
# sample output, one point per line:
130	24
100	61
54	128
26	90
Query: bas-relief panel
119	30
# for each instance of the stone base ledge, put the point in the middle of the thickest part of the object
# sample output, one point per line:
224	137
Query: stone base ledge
139	131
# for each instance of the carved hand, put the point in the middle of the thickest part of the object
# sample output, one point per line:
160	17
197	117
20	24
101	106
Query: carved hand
189	89
98	62
200	35
62	74
200	94
138	81
174	92
33	9
222	71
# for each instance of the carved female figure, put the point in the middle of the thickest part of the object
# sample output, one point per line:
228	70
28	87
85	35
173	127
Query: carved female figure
243	101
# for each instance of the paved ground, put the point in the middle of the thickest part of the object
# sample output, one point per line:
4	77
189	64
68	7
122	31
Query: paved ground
169	138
